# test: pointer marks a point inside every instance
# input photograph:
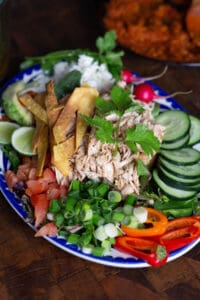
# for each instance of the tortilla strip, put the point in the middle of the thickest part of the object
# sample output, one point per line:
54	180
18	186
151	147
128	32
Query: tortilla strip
34	107
64	123
53	108
62	153
40	99
86	107
42	148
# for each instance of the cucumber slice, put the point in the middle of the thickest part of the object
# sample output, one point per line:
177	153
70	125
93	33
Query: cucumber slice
177	184
183	156
173	177
176	123
177	144
194	130
172	192
190	171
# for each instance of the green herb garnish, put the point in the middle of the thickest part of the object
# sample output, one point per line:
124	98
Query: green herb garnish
120	103
105	54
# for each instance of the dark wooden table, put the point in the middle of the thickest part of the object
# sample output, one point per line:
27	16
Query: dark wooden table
31	268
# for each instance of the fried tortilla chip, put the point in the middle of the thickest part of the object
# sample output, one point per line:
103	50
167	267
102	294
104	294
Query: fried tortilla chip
53	108
66	120
86	107
42	148
35	108
62	153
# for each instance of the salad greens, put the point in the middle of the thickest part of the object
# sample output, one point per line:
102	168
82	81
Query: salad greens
105	54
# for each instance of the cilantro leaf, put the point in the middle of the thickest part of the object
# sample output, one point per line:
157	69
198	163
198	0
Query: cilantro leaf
106	43
135	107
121	98
143	136
142	170
104	106
104	128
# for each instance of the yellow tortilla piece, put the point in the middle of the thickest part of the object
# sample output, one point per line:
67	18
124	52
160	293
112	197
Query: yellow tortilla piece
86	107
61	154
79	98
53	108
34	107
42	148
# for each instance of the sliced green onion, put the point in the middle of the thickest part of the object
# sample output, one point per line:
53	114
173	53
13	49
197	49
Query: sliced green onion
88	249
102	189
111	230
98	220
106	244
126	220
114	196
55	206
85	238
100	233
140	213
98	251
128	209
87	212
131	199
75	185
73	238
59	219
117	216
50	216
133	222
70	203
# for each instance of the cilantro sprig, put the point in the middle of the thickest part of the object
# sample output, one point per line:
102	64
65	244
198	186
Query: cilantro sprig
121	103
105	54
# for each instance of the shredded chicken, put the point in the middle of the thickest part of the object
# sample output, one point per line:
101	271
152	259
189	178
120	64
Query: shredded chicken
96	160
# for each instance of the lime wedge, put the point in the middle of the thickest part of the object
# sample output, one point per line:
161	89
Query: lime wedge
6	130
21	140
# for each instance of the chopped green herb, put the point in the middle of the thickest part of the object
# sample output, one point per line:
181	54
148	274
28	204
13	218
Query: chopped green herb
143	136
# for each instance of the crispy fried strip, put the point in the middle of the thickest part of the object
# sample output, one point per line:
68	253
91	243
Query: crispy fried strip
42	148
62	153
34	107
77	100
86	107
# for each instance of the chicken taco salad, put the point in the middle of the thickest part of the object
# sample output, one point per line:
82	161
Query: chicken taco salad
94	159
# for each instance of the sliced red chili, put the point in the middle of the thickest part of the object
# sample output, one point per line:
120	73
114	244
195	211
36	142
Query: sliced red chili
150	251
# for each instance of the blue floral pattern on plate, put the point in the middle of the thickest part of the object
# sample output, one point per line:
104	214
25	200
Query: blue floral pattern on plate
116	259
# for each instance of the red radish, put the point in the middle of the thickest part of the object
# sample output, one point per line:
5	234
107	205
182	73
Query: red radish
144	92
128	77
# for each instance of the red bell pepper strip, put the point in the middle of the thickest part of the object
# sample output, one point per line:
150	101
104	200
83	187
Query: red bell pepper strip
150	251
180	232
156	225
181	223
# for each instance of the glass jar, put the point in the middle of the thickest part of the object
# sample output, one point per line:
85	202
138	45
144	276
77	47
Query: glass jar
4	38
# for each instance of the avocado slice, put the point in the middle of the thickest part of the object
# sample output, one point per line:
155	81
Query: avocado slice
13	108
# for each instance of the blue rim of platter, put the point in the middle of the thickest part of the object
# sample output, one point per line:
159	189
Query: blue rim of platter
116	259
